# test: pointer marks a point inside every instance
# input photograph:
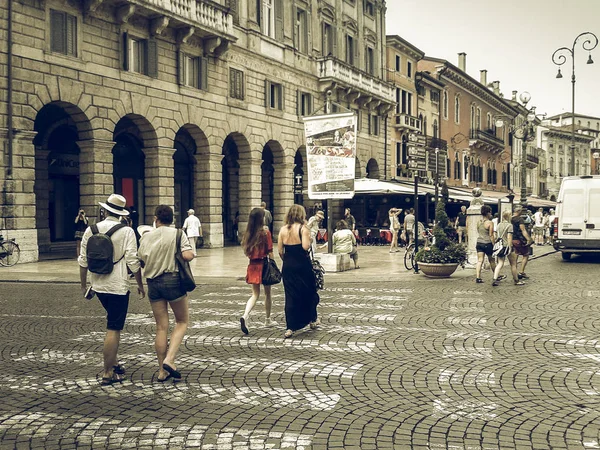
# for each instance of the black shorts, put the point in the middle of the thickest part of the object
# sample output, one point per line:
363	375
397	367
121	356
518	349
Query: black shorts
488	249
116	309
165	287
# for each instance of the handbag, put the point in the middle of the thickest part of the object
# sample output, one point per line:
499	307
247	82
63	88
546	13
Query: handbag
270	273
318	271
500	248
186	277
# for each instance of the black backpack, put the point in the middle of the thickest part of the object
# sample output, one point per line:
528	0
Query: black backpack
100	250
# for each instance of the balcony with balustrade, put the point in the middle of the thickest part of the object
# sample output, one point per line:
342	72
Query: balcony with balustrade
209	19
354	85
407	122
486	140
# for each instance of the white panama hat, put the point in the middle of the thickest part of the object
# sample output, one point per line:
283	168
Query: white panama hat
115	204
144	229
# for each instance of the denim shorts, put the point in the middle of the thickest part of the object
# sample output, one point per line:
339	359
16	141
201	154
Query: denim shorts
116	309
165	287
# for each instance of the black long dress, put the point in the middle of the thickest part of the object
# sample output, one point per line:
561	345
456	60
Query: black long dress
301	297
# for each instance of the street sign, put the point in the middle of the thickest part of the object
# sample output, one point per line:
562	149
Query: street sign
417	164
298	183
417	152
419	139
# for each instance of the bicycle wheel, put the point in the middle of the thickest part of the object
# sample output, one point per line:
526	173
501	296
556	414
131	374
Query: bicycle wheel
409	257
9	254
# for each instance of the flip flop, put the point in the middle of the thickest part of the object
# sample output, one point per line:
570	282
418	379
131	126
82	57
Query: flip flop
107	381
119	369
164	379
172	372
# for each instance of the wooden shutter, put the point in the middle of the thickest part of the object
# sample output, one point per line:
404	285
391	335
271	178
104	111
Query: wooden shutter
299	102
267	94
356	53
334	40
282	98
57	31
152	58
125	49
203	74
180	67
308	35
279	20
295	36
71	35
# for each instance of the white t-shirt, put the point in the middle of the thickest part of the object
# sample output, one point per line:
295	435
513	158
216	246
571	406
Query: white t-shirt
157	250
192	226
539	219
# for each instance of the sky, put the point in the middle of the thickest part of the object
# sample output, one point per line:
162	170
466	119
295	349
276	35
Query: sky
512	39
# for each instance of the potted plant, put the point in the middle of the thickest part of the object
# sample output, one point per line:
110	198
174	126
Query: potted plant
442	258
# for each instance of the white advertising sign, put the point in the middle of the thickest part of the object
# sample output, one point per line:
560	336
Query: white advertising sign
330	155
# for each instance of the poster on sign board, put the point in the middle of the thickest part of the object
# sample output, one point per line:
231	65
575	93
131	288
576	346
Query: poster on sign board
330	155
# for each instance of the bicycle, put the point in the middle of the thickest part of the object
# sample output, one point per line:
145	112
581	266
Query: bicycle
9	252
409	255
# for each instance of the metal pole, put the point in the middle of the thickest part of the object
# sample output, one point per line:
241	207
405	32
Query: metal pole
437	176
329	227
524	167
416	230
572	168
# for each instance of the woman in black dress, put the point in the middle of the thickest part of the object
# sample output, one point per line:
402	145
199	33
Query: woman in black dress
301	297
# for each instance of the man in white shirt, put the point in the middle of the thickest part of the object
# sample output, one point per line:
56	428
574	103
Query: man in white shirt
551	218
538	227
192	228
112	288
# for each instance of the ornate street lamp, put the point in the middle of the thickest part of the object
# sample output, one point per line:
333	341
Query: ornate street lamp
559	58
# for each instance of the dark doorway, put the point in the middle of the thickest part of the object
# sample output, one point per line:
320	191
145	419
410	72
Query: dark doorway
128	171
184	164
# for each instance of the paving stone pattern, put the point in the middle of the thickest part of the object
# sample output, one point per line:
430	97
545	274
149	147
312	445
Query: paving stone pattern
440	364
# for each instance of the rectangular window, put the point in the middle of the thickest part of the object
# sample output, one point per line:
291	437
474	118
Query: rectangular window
409	103
63	33
301	31
370	61
398	66
195	69
434	96
403	102
350	50
328	40
398	101
236	84
409	69
373	125
358	119
274	96
369	9
305	102
138	55
268	18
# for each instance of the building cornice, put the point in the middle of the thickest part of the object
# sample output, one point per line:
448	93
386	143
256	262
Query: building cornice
405	47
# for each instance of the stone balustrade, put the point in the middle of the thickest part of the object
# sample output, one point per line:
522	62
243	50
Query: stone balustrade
205	14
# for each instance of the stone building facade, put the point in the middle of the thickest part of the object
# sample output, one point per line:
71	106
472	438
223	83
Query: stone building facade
191	103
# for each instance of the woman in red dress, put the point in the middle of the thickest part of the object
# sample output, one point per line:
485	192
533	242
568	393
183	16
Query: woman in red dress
257	243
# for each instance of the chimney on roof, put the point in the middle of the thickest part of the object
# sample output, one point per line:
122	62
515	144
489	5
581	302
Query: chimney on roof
496	87
483	77
462	61
514	96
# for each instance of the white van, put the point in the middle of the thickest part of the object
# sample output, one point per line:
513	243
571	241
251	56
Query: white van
577	224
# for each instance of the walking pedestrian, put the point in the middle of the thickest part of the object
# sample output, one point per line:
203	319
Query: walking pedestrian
313	226
505	232
257	244
521	240
409	226
538	227
268	217
485	242
394	228
551	217
301	296
344	242
112	288
193	229
157	251
461	224
349	218
81	224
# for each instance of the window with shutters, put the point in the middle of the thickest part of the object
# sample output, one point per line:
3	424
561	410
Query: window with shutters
328	40
268	18
274	95
350	49
140	56
301	31
373	125
63	33
369	8
236	84
194	71
457	108
305	102
358	114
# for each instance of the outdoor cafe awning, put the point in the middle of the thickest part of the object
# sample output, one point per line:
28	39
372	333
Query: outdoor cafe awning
374	186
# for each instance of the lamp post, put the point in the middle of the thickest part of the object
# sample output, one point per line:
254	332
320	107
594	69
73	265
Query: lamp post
558	57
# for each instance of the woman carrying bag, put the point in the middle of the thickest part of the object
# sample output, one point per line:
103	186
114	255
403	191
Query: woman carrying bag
257	244
157	251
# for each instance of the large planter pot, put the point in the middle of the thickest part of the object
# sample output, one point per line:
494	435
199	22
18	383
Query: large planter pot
437	270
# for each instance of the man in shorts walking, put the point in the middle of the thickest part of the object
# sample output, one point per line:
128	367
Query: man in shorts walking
521	240
112	288
461	224
538	227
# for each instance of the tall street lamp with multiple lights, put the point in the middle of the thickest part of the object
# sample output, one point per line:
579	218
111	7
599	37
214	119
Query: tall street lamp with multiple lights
590	41
526	133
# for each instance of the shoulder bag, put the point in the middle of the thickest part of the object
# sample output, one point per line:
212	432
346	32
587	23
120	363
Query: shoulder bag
270	273
186	277
500	248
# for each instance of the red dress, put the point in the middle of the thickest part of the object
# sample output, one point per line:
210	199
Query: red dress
255	267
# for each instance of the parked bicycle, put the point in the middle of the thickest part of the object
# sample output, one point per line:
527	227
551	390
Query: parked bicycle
426	240
9	252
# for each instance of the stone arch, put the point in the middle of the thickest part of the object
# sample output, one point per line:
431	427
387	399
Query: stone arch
273	177
60	129
372	169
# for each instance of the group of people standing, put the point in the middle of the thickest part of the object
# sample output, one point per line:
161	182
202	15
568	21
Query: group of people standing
156	255
293	246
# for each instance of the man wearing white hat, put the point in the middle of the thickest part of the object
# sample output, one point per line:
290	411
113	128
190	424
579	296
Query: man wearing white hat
112	288
192	228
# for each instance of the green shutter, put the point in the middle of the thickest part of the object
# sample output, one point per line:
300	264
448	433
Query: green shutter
282	98
180	67
152	58
299	102
71	35
203	74
267	94
308	35
279	20
125	49
57	31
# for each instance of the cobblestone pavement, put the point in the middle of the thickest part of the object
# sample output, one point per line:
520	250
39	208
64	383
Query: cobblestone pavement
440	364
